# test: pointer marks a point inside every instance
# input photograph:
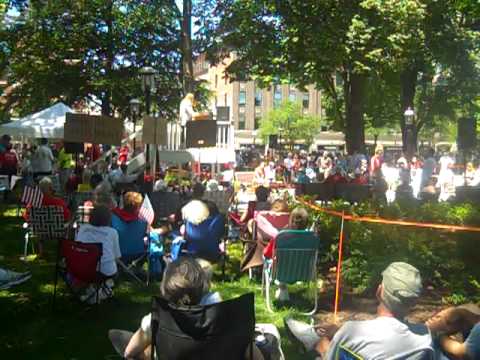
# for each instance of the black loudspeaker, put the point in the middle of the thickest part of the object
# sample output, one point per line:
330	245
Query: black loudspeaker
201	133
273	141
466	133
73	148
223	113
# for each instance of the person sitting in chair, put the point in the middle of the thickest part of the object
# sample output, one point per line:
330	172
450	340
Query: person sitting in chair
46	187
100	231
388	336
298	221
202	230
132	202
184	283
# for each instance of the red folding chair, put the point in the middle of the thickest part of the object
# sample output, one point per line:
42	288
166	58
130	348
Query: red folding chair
234	220
81	267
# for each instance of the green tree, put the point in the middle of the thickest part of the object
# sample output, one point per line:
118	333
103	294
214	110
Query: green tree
290	123
92	50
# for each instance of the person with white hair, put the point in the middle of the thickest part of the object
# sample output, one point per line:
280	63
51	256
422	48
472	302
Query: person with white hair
46	187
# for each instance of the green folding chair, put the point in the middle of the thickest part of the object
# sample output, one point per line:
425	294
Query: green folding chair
295	259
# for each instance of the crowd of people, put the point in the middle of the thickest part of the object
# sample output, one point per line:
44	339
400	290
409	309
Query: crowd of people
195	226
429	176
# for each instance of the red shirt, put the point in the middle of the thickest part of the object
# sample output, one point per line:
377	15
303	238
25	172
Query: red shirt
52	201
336	179
9	159
361	180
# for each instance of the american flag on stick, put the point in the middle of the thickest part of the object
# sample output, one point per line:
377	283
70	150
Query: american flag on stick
32	196
146	211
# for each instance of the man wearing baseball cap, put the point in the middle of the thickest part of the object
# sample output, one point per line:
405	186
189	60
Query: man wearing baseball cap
387	336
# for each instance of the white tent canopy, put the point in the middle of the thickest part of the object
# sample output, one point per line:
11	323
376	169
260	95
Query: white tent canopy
48	123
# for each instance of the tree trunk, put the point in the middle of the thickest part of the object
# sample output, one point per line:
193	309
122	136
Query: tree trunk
408	80
354	122
109	59
187	57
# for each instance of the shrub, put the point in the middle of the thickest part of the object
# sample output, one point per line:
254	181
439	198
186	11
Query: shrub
447	260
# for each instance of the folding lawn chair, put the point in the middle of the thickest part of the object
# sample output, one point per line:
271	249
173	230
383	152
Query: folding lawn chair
133	247
82	265
295	259
234	220
345	354
45	223
219	331
207	240
266	226
164	204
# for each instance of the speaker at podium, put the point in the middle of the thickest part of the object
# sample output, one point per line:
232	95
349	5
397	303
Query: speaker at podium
201	134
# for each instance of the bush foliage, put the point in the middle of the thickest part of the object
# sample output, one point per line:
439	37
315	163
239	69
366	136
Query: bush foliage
448	260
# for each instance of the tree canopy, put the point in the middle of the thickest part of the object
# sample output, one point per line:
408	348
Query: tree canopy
290	123
91	51
353	50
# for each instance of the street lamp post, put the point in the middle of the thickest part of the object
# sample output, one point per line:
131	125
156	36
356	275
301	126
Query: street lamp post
147	74
409	138
134	111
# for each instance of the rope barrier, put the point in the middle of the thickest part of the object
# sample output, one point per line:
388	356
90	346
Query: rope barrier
379	220
376	220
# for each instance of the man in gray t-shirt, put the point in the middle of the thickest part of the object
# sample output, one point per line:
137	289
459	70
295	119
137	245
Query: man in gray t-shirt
385	337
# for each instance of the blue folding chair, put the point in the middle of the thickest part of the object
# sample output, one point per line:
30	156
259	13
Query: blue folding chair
346	354
295	259
134	250
205	240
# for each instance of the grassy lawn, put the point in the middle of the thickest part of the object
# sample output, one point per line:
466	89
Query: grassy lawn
30	329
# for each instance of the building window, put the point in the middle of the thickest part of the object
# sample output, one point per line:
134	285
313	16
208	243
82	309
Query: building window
256	123
306	100
292	94
258	96
277	96
242	96
241	121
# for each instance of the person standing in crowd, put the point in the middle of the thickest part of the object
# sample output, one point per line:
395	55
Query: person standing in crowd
65	165
376	161
288	168
186	114
8	162
43	160
428	169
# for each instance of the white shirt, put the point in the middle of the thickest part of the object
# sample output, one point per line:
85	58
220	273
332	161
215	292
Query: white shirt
43	159
383	338
186	111
108	237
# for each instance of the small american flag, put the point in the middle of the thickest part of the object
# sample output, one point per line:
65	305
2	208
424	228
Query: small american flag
146	211
32	196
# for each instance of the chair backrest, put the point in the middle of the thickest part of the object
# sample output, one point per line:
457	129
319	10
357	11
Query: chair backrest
296	254
130	235
345	354
203	239
219	331
82	260
47	222
268	223
164	204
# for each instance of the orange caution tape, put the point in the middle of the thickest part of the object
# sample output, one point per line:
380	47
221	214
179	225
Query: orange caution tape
379	220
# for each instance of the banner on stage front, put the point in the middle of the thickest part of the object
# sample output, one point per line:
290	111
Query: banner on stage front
95	129
154	131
